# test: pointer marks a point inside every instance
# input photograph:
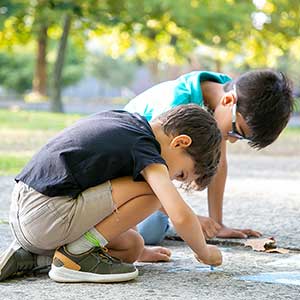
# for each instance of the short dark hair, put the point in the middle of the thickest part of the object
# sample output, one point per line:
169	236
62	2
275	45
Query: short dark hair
194	121
265	101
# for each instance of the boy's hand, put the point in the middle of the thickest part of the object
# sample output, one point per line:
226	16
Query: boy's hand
214	258
155	254
209	226
226	232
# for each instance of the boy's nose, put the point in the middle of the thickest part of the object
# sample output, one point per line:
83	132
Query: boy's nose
231	139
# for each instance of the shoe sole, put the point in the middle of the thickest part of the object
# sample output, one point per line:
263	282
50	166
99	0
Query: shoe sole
5	256
62	274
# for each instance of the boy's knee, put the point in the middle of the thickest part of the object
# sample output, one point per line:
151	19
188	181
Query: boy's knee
136	246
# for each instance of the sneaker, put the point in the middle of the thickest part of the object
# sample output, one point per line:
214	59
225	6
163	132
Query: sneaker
16	260
95	265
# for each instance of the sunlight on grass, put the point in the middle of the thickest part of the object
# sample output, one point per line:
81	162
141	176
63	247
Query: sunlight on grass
12	164
24	132
32	120
291	131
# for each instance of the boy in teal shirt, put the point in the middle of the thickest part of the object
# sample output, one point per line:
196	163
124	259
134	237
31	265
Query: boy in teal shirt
256	106
163	96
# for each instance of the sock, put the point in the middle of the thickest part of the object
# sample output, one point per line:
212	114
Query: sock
89	240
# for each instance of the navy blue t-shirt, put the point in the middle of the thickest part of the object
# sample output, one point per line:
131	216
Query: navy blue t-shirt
95	149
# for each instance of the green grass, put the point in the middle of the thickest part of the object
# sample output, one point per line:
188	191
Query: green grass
24	132
32	120
291	131
12	164
297	105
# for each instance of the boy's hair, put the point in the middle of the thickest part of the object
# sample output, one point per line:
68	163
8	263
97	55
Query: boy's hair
201	127
264	99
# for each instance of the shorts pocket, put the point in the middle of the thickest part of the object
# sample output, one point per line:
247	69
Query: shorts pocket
44	227
33	215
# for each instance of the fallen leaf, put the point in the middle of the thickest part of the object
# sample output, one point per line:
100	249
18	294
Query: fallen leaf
261	244
278	250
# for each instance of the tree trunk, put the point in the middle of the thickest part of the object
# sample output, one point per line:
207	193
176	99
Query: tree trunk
39	84
56	102
218	66
154	71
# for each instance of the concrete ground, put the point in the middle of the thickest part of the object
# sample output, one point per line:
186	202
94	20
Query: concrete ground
262	193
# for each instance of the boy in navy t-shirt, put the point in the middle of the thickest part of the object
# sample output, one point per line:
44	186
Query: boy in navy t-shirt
85	190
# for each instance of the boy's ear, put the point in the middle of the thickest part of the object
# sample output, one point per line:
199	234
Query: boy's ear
182	141
228	99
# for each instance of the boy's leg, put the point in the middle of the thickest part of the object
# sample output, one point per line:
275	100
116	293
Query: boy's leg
154	228
133	201
128	246
17	258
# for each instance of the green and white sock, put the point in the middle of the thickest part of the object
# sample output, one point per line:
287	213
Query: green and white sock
90	239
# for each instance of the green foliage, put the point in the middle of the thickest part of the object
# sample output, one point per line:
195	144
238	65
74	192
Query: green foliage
17	67
115	72
74	65
162	31
16	70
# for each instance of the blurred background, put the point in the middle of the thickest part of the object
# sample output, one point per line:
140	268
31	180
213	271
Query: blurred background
62	59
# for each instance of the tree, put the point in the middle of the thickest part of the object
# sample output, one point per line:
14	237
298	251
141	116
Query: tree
56	103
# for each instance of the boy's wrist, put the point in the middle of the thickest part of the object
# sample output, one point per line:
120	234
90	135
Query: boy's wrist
203	256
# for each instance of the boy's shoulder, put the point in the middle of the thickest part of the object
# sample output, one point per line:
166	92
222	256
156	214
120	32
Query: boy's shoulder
200	76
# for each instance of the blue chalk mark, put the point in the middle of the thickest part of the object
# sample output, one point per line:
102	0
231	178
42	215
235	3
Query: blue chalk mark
197	268
292	278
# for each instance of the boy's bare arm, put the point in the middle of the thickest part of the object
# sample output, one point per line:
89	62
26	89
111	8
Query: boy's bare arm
215	192
215	196
181	215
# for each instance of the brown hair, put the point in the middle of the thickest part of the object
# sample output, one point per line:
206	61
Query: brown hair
201	127
266	103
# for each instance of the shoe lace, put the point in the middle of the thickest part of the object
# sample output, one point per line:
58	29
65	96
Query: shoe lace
103	252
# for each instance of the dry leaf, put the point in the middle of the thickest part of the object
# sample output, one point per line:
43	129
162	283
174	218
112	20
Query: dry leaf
261	244
278	250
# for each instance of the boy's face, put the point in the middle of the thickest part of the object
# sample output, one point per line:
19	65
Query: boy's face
224	117
179	162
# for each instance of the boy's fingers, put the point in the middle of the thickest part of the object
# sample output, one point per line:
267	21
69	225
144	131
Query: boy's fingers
210	233
163	251
230	233
250	232
239	234
209	226
166	252
163	257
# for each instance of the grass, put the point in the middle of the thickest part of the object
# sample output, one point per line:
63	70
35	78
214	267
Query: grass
31	120
24	132
297	105
12	164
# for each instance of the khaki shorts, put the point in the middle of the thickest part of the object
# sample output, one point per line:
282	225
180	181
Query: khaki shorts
41	223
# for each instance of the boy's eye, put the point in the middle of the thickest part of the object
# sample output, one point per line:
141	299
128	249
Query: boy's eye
181	176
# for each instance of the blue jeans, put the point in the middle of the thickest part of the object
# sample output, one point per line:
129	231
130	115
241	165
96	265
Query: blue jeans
154	228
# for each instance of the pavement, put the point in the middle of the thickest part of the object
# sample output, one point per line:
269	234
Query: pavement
262	193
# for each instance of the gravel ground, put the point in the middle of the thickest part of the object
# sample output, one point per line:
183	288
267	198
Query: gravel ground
262	193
